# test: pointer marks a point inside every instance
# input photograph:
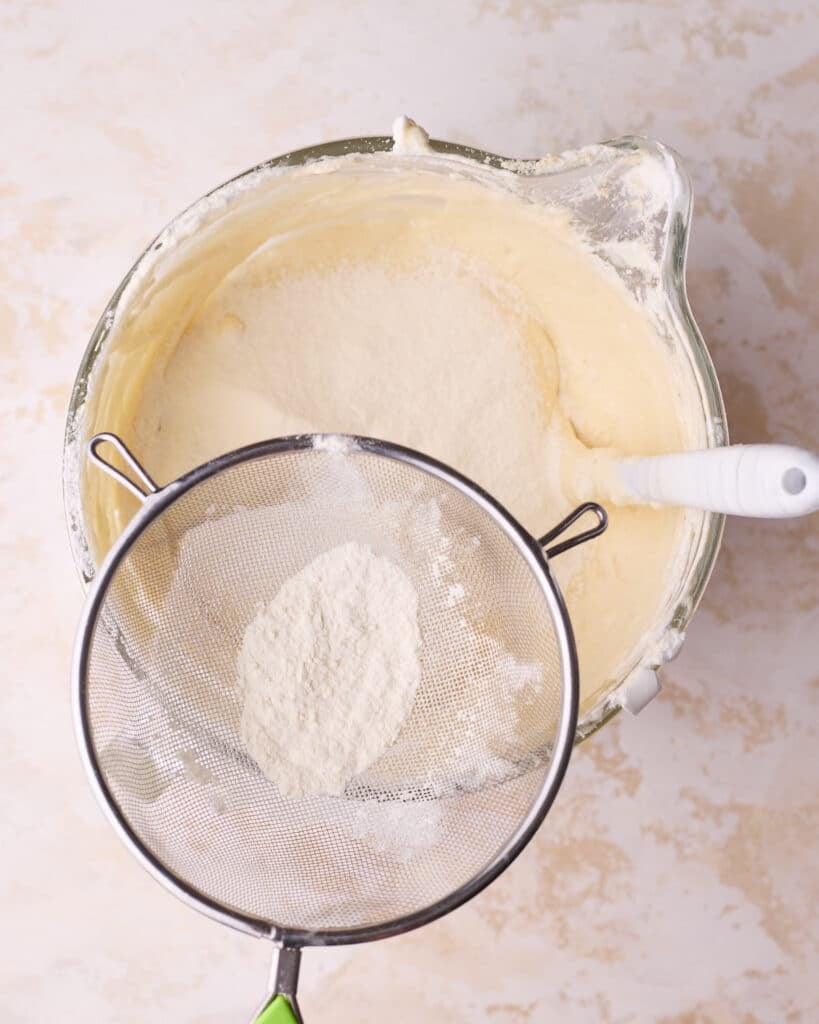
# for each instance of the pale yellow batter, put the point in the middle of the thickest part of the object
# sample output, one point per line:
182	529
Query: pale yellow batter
423	308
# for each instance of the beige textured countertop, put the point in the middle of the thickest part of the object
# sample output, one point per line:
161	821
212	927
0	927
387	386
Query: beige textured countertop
676	879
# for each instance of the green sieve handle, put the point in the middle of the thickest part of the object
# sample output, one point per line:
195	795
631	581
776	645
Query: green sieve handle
281	1005
278	1011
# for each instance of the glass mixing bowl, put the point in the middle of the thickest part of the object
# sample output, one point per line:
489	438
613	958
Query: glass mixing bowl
631	199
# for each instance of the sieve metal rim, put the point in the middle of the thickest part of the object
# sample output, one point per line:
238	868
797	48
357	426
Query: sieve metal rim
156	500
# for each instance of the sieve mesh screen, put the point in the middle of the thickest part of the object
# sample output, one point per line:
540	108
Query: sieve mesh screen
163	704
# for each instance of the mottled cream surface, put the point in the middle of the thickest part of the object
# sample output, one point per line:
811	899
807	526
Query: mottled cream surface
674	881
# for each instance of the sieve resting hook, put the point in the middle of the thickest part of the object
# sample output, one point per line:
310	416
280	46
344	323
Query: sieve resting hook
570	520
148	486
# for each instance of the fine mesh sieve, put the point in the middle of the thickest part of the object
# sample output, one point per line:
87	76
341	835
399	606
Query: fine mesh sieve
478	760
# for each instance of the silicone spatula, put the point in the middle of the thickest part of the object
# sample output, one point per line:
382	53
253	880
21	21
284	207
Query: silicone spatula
773	481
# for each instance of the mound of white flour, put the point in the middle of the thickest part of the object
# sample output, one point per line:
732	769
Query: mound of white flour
329	670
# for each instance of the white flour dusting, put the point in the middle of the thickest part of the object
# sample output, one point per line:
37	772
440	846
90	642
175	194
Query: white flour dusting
398	828
329	669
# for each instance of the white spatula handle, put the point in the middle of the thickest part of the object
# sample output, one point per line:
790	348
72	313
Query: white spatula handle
772	481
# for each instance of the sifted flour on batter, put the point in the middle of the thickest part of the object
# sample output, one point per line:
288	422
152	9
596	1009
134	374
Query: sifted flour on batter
329	669
396	296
